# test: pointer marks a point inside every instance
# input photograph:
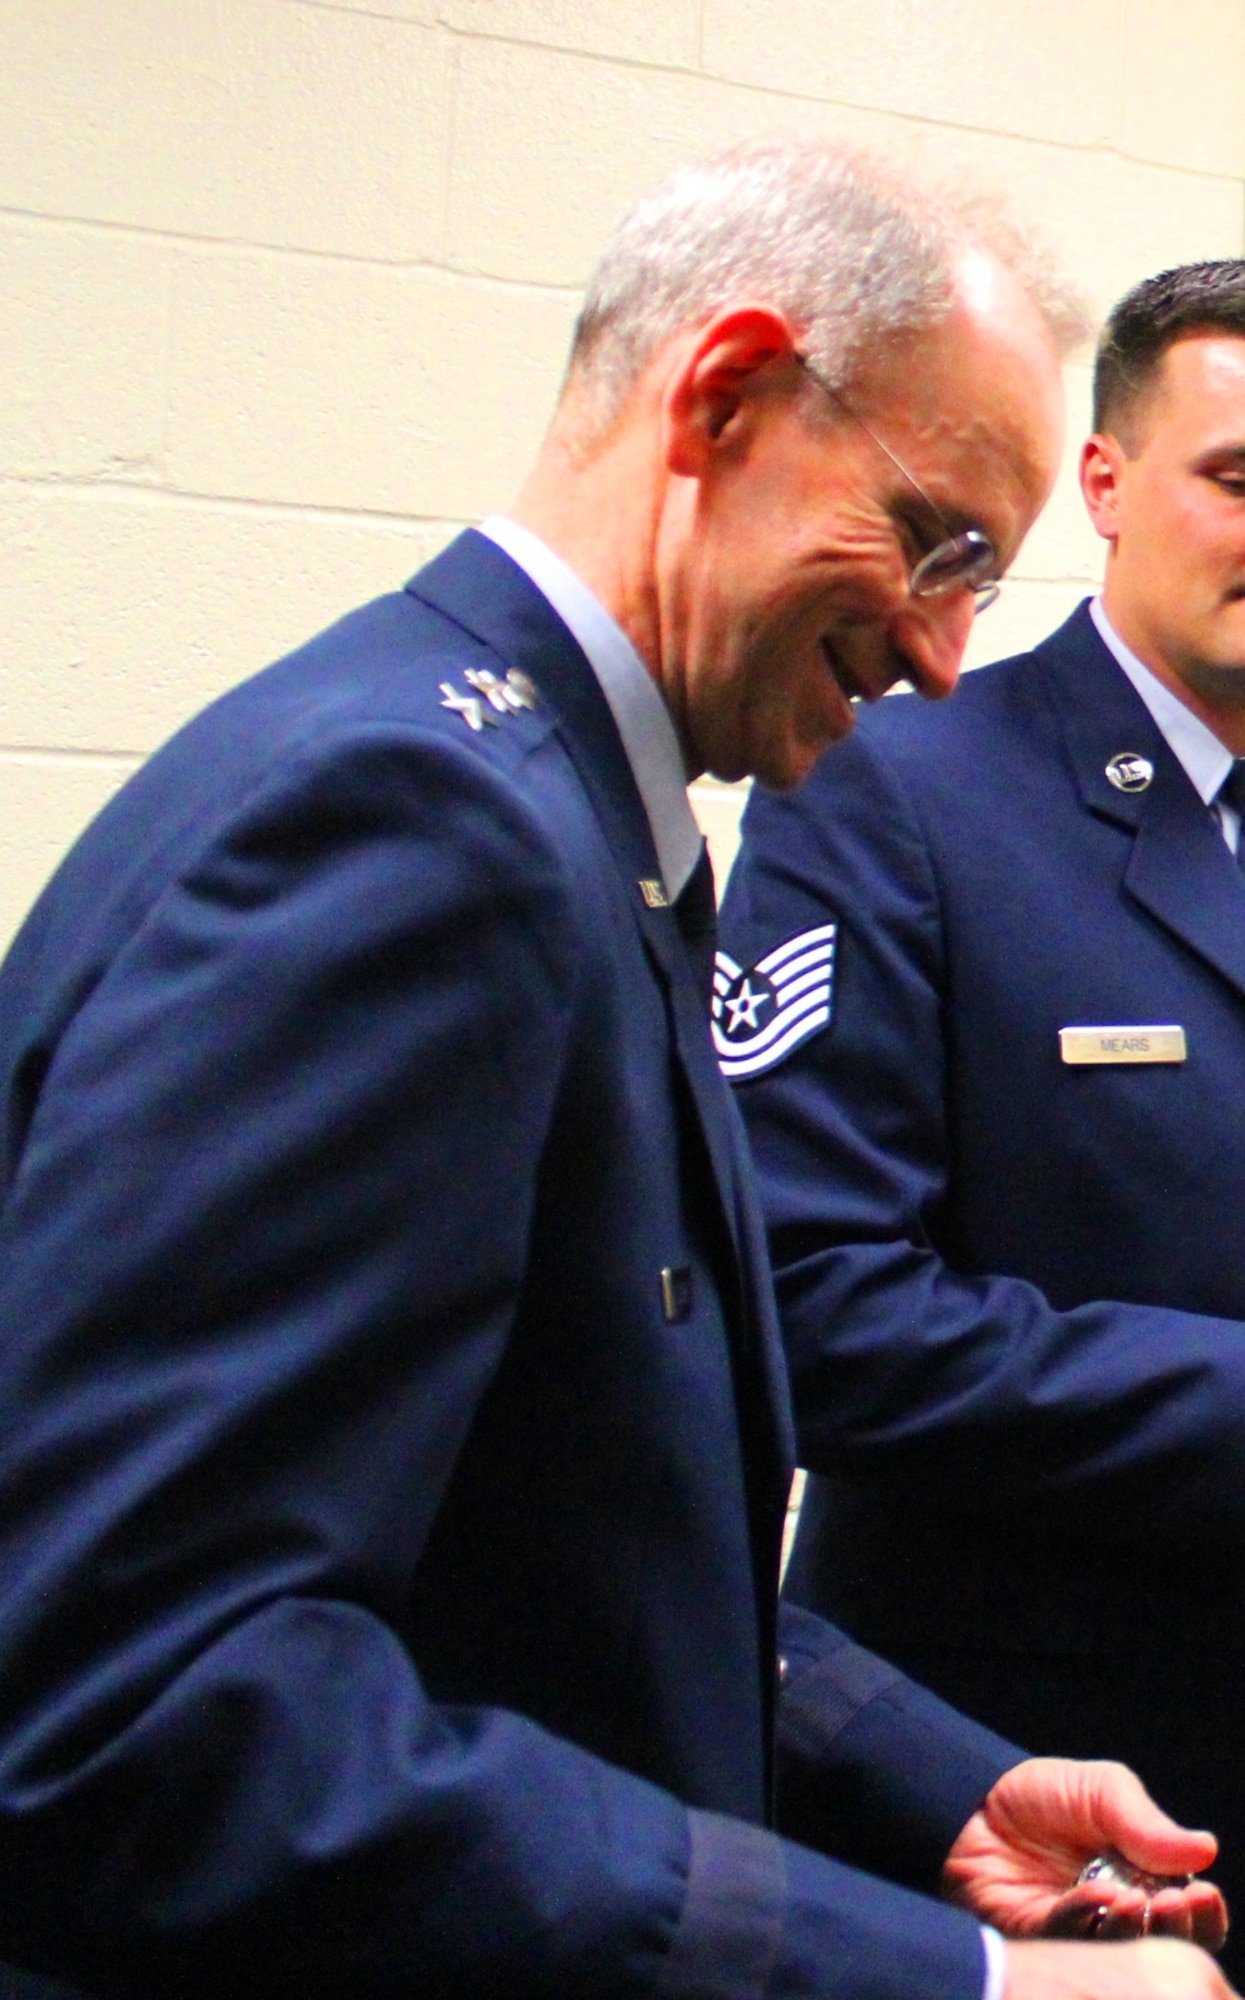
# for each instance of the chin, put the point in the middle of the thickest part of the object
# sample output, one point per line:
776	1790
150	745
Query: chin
1220	683
789	767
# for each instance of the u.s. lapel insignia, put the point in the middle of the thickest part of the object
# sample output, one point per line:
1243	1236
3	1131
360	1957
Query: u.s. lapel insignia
1130	773
492	697
763	1011
507	696
654	893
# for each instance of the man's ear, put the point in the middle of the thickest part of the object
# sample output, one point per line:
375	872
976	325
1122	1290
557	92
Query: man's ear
1102	465
719	380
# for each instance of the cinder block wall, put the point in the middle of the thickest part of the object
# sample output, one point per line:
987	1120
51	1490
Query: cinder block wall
287	286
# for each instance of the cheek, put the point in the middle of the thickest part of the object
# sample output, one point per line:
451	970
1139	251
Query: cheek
1198	562
1192	533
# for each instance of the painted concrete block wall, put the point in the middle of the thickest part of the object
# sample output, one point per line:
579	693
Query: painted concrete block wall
286	288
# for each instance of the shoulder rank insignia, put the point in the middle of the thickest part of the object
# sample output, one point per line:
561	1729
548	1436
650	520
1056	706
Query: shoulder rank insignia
763	1011
492	696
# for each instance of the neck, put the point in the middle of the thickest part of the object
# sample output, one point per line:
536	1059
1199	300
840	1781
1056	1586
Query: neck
1222	709
598	509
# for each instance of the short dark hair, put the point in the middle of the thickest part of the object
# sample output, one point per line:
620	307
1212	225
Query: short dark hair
1188	300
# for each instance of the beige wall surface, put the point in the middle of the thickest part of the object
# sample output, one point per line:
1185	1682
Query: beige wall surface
287	286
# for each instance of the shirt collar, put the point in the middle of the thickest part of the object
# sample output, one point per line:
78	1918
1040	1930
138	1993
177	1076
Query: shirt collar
1206	760
642	717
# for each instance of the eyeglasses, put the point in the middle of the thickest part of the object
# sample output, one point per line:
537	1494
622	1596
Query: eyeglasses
962	561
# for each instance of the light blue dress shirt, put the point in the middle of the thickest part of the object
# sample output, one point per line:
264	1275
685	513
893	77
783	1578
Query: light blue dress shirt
643	719
1206	760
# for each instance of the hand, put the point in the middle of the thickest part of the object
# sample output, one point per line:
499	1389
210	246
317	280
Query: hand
1015	1863
1151	1969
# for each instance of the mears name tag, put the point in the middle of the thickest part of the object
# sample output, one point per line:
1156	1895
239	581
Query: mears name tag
1126	1044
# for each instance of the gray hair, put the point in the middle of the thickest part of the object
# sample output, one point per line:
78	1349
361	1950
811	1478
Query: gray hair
831	237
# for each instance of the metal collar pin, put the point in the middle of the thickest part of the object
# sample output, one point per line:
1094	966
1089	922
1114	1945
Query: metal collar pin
1130	773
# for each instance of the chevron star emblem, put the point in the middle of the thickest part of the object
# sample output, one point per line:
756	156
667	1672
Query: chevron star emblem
763	1011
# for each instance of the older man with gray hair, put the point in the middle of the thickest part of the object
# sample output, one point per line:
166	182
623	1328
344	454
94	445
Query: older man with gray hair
398	1440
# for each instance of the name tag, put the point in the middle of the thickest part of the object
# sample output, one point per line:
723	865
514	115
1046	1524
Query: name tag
1125	1044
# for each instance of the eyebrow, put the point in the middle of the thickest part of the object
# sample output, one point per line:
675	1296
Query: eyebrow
960	520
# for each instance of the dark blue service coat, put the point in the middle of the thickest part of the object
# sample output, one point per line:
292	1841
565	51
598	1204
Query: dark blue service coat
387	1558
1013	1289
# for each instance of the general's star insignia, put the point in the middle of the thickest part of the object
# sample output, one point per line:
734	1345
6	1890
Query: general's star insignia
763	1011
493	696
515	692
469	706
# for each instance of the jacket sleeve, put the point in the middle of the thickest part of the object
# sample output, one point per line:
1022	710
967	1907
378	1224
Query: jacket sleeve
968	1387
879	1773
234	1397
871	1766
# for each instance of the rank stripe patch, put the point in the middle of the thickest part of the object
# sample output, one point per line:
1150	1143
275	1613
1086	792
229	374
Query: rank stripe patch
799	1031
762	1012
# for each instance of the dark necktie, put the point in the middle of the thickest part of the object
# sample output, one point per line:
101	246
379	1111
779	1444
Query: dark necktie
696	912
1232	792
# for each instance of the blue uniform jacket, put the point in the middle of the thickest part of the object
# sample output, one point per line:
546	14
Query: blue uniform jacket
387	1559
1012	1290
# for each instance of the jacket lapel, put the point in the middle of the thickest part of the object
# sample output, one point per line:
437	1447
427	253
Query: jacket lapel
477	585
1179	868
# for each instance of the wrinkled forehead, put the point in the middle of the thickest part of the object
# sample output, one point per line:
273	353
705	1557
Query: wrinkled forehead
977	412
989	359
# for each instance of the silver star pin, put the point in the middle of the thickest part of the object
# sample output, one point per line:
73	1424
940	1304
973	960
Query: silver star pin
507	696
469	706
487	684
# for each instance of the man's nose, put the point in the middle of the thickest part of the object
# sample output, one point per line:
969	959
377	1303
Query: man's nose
929	635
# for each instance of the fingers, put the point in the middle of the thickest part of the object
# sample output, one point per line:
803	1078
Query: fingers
1210	1916
1085	1913
1016	1862
1140	1828
1197	1913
